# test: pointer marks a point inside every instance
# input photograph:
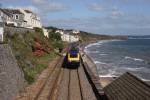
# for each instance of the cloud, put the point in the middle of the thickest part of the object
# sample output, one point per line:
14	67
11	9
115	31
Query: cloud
32	8
116	14
106	25
47	7
95	7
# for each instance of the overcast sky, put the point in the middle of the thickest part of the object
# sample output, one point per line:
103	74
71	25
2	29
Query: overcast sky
98	16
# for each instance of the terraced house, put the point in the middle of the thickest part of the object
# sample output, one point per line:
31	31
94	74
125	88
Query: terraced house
17	17
31	19
20	18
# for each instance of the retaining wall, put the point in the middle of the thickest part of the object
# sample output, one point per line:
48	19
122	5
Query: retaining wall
12	30
11	76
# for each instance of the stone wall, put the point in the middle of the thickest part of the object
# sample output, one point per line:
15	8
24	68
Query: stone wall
11	76
89	62
12	30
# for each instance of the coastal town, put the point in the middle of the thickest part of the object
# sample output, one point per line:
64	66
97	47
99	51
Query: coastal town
34	63
27	19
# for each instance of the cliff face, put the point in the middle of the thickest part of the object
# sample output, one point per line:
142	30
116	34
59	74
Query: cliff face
11	76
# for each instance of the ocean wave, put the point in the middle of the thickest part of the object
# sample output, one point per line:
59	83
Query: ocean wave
135	59
94	51
107	75
103	54
133	69
145	80
98	62
137	38
100	43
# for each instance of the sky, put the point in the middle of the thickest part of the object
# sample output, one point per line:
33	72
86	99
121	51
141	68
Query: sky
113	17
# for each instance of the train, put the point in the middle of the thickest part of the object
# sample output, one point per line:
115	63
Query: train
73	57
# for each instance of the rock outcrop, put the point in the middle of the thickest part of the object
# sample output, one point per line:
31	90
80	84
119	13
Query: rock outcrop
11	76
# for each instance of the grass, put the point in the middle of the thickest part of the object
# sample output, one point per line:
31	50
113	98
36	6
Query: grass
41	64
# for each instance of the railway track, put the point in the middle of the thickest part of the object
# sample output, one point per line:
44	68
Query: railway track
65	83
49	88
75	85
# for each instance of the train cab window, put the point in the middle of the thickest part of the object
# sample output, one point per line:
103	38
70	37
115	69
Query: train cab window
73	55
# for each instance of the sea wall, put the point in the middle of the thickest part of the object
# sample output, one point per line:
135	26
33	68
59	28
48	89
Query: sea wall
11	76
89	62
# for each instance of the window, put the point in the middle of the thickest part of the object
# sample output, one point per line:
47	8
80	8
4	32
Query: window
17	17
1	24
73	55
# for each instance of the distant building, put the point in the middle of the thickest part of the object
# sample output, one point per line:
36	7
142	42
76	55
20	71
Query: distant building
67	36
76	31
45	31
60	31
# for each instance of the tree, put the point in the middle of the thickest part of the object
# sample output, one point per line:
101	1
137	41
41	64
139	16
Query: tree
55	36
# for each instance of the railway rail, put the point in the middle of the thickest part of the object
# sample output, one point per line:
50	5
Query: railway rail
75	85
48	89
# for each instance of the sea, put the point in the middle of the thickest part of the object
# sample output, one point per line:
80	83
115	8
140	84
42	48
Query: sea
115	57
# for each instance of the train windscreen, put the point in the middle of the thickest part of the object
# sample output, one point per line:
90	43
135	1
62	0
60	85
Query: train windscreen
73	55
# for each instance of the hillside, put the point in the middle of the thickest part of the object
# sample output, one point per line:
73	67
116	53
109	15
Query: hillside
90	37
32	50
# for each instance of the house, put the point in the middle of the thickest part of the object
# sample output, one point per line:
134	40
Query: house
20	18
45	31
5	16
75	31
60	31
67	36
32	20
15	16
1	30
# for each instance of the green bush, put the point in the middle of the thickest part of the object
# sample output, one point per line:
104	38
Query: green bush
38	30
58	45
55	36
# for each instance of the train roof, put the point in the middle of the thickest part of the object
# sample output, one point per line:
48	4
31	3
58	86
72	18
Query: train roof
74	51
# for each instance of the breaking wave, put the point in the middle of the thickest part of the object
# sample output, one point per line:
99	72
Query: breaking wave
135	59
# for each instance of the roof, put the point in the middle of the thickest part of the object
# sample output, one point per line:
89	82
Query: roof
12	11
28	11
4	11
127	87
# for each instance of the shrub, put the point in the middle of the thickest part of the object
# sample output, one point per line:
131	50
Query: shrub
55	36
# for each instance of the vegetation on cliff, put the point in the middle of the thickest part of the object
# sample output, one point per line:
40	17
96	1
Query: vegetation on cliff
33	51
90	37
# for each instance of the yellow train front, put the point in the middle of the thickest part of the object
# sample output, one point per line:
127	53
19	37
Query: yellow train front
73	58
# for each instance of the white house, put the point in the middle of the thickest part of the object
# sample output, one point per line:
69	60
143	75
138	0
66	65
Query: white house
32	20
60	31
45	31
67	37
7	17
1	30
14	17
76	31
